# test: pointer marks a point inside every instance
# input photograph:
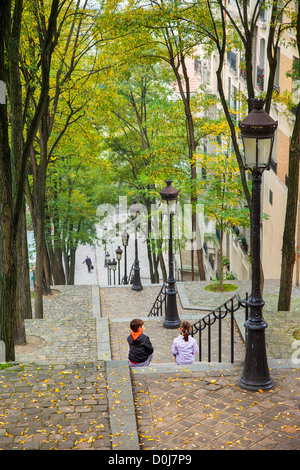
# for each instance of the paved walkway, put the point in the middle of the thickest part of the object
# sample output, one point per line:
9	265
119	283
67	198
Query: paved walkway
71	387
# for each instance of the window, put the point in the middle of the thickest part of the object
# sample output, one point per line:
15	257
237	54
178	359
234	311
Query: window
271	197
232	59
261	66
276	80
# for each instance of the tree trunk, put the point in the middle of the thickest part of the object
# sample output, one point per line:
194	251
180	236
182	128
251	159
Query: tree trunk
7	251
71	278
9	212
47	271
185	96
39	207
221	261
155	267
13	165
289	234
163	267
288	241
23	297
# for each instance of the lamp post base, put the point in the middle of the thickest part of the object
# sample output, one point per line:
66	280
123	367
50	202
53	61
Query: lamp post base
136	279
172	320
256	374
171	325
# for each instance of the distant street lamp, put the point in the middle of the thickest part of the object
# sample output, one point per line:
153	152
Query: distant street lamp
105	242
119	252
169	198
125	240
257	131
107	260
113	265
135	212
109	267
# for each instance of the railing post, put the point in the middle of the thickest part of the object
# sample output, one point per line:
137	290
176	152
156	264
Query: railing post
232	333
209	343
220	335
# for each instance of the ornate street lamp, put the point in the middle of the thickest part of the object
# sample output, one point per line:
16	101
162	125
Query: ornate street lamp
257	132
119	252
125	240
135	212
169	198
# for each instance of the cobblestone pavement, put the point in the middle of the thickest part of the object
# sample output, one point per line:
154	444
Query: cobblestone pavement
62	394
190	409
56	397
67	325
208	411
54	406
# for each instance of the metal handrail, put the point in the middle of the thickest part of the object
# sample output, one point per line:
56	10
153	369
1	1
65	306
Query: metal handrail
157	307
131	275
230	306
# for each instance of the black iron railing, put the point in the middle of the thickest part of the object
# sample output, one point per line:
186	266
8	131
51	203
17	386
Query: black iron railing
131	275
159	306
216	317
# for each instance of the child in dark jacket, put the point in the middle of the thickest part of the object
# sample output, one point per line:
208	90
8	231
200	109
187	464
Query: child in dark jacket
140	348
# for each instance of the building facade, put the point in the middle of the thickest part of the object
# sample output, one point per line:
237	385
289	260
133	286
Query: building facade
275	181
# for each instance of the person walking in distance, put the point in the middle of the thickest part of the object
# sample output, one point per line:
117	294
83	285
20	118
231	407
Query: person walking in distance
88	263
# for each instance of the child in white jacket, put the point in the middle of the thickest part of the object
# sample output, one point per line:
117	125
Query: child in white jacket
185	347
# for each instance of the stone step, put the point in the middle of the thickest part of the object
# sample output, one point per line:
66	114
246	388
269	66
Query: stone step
209	367
165	367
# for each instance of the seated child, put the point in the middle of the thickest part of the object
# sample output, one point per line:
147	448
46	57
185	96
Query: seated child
140	348
184	347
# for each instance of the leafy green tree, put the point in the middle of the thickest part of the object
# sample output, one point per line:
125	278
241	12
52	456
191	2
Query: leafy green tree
157	34
72	195
129	117
72	66
222	193
14	150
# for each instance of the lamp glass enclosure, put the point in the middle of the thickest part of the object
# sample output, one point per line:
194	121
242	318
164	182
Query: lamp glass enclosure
257	152
135	210
169	198
125	238
113	264
170	206
119	253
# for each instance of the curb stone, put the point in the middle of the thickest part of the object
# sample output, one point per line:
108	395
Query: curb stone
121	407
124	434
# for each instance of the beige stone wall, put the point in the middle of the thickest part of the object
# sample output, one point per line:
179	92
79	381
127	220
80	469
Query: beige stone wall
272	231
282	154
285	83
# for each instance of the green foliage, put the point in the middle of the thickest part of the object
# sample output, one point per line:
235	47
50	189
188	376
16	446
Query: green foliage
221	191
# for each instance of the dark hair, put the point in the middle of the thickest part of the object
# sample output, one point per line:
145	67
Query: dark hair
136	324
185	329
